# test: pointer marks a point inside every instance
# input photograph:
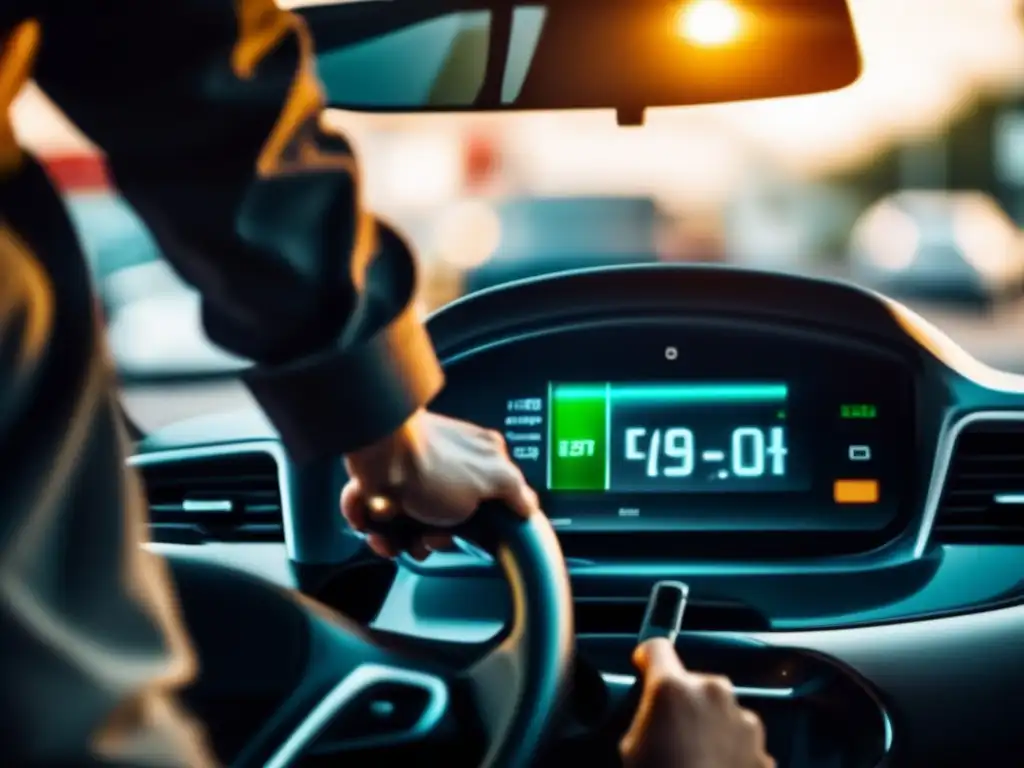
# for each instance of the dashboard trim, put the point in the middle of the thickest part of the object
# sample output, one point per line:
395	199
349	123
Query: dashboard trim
943	459
743	691
625	682
265	560
272	448
615	680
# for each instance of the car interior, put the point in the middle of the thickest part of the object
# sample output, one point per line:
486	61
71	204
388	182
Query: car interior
837	482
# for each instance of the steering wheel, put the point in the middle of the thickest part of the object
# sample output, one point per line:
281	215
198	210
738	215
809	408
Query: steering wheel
504	701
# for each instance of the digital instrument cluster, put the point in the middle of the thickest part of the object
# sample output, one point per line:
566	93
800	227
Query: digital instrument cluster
672	438
674	425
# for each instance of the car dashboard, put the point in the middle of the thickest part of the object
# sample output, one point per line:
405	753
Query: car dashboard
841	486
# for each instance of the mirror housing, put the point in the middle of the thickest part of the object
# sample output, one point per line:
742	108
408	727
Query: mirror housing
627	55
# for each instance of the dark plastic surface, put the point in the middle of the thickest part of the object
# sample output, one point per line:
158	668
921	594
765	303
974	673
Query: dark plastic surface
252	642
382	709
828	717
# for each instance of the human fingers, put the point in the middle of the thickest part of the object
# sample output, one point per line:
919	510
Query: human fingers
657	655
438	542
717	691
353	506
359	510
752	733
381	545
510	487
661	700
418	550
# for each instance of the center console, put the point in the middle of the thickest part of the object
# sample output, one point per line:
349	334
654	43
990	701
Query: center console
816	714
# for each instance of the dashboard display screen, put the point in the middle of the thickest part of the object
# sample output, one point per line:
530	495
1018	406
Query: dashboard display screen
673	438
700	427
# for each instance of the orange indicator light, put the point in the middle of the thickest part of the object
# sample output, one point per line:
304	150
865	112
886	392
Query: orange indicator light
856	492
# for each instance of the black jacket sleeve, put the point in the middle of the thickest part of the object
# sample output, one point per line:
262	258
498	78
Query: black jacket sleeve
92	647
209	112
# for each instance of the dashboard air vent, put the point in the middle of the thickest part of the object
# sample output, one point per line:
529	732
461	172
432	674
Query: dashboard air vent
227	497
983	500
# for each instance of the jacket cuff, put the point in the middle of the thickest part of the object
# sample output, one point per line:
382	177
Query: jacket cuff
336	402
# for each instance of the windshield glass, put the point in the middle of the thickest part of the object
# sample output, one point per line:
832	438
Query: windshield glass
910	182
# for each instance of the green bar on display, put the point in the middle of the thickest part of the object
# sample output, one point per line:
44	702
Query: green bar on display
699	393
578	444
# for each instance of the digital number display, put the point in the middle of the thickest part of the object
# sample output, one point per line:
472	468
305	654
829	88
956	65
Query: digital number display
671	452
672	438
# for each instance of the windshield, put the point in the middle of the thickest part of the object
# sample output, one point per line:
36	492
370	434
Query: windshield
910	182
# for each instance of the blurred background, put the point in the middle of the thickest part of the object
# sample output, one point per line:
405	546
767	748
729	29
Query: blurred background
910	182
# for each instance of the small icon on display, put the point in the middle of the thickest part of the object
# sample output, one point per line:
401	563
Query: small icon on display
860	453
671	353
526	452
858	411
856	492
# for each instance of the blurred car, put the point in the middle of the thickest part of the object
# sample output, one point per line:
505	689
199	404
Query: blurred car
958	247
153	317
542	235
112	235
792	225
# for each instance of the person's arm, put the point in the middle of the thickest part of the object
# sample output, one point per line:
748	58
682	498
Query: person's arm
209	114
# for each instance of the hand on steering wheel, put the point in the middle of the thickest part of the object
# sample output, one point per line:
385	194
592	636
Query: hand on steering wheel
505	700
436	470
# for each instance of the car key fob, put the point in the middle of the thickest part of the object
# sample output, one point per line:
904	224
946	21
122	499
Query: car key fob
665	609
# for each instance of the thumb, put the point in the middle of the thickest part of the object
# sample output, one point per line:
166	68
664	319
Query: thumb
657	656
657	662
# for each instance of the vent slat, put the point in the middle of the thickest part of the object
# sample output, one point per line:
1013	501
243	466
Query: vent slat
228	498
986	472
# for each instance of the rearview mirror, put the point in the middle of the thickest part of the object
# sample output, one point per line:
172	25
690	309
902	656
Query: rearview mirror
483	55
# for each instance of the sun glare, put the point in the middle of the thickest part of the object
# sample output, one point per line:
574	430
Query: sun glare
708	22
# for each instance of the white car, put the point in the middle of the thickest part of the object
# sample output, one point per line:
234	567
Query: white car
954	246
153	316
